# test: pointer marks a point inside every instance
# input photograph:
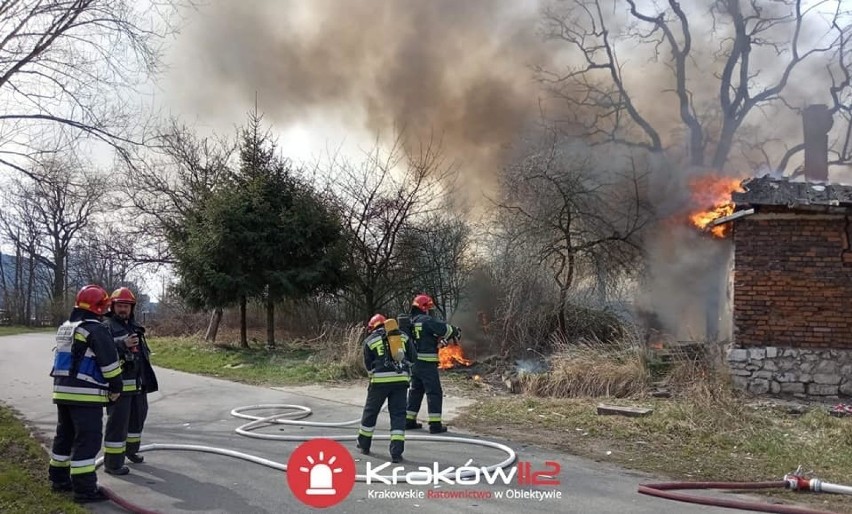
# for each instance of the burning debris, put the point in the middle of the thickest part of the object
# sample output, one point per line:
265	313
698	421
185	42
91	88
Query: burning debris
713	195
451	355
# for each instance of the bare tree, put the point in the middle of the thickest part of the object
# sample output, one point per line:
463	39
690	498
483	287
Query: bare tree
378	199
92	259
61	199
20	227
602	101
437	251
177	178
183	171
71	67
574	216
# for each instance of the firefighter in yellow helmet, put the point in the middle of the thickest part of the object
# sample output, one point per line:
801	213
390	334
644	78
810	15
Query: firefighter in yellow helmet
126	417
387	356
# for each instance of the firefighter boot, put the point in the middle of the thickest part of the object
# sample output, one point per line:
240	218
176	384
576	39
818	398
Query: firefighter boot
61	487
123	470
90	497
437	428
364	444
397	447
135	458
412	424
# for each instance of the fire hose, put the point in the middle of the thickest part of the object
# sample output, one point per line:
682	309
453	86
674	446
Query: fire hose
794	481
297	413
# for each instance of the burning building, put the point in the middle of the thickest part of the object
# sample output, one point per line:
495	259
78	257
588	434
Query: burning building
792	287
792	290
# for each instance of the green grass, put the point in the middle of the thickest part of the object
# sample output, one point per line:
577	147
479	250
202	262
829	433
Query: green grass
254	365
24	486
725	440
17	329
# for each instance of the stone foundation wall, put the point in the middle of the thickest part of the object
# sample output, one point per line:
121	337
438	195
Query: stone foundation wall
792	371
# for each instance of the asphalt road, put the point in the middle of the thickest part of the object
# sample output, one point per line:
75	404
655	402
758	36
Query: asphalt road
196	410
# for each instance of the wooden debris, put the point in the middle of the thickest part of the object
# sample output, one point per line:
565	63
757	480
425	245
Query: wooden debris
615	410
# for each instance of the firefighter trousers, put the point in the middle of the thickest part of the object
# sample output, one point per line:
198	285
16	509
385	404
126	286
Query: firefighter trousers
123	434
425	380
79	430
138	415
394	393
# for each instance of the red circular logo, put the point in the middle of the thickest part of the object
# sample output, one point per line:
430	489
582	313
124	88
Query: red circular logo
321	473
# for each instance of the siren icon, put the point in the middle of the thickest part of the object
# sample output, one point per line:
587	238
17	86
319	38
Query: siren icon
321	475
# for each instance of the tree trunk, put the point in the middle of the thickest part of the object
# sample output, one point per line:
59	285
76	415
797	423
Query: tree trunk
563	296
369	303
3	282
243	336
726	141
563	293
270	323
29	293
20	316
213	326
58	287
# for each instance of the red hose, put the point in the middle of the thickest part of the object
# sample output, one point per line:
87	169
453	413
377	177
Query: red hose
662	491
124	504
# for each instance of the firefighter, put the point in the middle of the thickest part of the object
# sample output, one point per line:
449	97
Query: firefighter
427	332
123	434
388	365
86	377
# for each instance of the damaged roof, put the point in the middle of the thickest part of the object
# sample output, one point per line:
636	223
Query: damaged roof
767	190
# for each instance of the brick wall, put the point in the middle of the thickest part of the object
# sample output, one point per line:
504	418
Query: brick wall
793	282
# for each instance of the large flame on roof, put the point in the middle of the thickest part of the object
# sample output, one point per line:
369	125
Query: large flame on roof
712	194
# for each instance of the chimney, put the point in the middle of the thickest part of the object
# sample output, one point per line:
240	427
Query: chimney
816	121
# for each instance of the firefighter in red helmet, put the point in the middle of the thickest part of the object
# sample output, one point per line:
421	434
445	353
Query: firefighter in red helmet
427	333
388	354
86	377
127	416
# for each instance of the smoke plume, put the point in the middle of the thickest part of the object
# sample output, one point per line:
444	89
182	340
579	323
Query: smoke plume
458	71
461	71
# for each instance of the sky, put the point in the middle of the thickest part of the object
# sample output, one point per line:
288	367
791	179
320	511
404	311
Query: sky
329	74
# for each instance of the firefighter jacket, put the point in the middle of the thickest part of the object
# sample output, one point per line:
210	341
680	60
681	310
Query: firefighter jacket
86	367
381	367
427	332
138	374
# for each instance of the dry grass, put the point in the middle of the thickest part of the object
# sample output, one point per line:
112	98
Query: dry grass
706	431
616	369
341	354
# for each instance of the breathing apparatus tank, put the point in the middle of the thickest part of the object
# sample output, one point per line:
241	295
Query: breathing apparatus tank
397	350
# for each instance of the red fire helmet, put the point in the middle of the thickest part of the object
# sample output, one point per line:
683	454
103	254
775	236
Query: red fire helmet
92	298
423	302
123	295
375	321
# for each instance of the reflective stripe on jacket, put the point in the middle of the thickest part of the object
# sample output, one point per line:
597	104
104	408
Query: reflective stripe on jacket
381	367
426	331
85	364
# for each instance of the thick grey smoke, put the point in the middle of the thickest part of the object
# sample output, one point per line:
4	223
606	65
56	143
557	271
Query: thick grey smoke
461	70
458	70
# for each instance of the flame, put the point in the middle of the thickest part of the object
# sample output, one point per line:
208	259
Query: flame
714	195
452	355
